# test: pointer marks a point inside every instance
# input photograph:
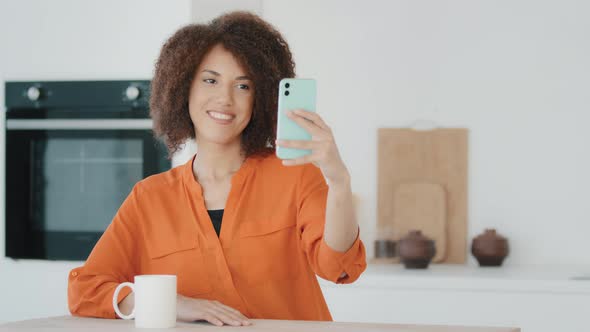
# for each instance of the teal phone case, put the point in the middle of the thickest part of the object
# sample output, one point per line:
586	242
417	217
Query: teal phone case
294	93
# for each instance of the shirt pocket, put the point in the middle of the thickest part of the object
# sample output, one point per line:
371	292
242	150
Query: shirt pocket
268	250
184	259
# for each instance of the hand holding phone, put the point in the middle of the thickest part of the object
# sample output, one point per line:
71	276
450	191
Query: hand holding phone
295	145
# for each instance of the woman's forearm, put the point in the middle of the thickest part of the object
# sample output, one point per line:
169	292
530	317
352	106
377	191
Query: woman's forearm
341	228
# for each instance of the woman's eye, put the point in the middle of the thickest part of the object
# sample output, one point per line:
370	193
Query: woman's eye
243	87
209	80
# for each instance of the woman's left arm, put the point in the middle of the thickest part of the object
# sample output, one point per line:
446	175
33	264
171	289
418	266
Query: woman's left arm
341	228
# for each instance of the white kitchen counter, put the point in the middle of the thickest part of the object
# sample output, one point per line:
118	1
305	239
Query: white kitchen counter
535	279
535	298
69	323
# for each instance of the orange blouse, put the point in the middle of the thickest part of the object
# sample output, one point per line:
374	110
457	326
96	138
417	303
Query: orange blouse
264	262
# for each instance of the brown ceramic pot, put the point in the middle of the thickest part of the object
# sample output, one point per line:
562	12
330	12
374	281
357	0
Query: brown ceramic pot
384	248
416	250
490	248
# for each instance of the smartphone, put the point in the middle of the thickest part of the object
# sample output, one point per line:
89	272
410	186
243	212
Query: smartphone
294	93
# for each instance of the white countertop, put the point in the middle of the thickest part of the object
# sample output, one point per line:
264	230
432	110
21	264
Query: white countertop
69	323
542	279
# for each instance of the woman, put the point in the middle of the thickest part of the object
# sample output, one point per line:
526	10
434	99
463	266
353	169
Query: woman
245	232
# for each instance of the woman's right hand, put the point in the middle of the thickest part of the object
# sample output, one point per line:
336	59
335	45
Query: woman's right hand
190	310
216	313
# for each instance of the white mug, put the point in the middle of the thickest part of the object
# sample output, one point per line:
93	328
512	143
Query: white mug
155	300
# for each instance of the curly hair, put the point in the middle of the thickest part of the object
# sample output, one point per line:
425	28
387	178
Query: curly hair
256	45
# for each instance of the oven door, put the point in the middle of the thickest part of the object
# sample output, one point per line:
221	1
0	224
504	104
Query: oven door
65	180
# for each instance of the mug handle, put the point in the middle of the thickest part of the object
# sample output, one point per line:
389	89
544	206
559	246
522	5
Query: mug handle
116	296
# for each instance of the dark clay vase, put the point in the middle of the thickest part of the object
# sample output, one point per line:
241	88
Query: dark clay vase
489	248
416	250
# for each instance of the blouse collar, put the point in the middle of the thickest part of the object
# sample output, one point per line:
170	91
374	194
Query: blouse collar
238	178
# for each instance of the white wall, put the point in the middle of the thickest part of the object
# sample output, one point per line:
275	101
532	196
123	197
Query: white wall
514	72
69	39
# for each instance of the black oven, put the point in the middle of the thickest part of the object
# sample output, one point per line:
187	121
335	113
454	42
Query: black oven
74	150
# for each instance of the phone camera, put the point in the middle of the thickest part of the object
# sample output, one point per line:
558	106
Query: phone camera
286	93
287	85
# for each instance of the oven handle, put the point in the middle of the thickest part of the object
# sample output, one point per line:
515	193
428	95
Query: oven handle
65	124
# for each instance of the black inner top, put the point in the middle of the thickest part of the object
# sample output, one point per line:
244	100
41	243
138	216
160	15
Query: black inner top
216	216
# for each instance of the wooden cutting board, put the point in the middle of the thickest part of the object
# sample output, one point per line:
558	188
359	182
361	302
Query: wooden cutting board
437	156
421	206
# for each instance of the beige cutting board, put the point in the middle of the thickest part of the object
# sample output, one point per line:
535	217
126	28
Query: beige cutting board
421	206
436	156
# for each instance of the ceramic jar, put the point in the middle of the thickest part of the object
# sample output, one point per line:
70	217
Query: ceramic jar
416	250
490	248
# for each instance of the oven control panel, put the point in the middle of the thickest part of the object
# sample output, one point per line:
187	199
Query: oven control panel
70	94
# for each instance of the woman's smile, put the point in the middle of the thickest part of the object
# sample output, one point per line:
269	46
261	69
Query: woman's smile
221	117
